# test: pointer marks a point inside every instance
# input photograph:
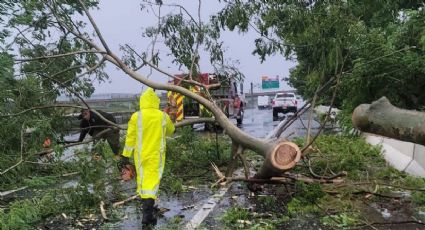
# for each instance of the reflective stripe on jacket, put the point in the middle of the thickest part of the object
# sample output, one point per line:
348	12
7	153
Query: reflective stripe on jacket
145	142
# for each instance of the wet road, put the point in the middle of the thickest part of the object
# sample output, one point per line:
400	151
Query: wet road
259	123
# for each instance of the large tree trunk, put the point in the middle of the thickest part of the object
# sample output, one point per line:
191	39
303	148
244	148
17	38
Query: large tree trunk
382	118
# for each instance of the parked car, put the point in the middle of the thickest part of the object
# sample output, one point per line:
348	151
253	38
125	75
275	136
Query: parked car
263	102
284	103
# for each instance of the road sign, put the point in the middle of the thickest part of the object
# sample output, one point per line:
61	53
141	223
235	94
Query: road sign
269	83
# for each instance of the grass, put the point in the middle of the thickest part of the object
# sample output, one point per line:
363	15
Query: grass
339	206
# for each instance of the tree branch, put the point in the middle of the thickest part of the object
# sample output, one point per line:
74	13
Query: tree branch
179	6
193	82
58	55
93	23
61	106
98	135
187	122
89	69
67	88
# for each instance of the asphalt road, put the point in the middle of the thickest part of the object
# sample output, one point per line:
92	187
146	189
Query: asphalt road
259	123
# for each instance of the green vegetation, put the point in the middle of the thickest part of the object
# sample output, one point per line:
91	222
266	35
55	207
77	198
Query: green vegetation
377	47
26	213
238	217
26	85
337	206
51	193
346	153
189	157
235	214
341	220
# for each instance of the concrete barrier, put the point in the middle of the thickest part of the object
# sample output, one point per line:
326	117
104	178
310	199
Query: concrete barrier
404	156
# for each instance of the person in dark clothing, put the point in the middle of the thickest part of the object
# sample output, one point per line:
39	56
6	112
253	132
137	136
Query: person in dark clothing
238	105
92	124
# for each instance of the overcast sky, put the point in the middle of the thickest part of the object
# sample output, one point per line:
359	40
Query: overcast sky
122	22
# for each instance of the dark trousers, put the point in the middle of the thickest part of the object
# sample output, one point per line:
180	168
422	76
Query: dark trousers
112	137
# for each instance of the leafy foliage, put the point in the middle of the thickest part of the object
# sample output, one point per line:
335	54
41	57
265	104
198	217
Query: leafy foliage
28	81
377	46
346	153
342	220
234	214
196	156
186	37
25	213
343	205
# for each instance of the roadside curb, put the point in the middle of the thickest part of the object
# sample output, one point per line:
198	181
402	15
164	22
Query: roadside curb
404	156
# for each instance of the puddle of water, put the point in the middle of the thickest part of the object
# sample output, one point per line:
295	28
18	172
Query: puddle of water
259	123
183	206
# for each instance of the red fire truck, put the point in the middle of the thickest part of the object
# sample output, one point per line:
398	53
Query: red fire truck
223	92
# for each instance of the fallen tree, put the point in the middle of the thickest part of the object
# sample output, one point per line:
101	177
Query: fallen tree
280	155
383	118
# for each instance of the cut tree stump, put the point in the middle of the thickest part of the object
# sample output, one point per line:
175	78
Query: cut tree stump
283	157
383	118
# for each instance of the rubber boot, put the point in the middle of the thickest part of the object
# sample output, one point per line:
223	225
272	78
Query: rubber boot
148	208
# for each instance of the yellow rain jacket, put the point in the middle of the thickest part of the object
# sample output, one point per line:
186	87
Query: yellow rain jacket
145	141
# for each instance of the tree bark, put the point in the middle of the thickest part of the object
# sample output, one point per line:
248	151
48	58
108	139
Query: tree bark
383	118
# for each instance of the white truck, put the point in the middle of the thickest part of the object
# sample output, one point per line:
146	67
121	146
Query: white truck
284	103
263	102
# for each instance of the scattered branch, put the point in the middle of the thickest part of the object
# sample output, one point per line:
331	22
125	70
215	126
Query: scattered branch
102	210
116	204
47	151
5	193
340	174
62	106
285	179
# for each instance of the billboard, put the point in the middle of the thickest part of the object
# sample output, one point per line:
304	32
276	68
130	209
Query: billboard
270	82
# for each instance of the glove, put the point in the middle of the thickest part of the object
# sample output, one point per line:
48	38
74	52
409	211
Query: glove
127	170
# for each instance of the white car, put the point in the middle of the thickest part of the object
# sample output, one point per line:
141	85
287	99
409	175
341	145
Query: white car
263	102
284	103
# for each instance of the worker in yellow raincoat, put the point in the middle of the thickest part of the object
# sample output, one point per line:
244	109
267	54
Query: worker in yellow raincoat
145	142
